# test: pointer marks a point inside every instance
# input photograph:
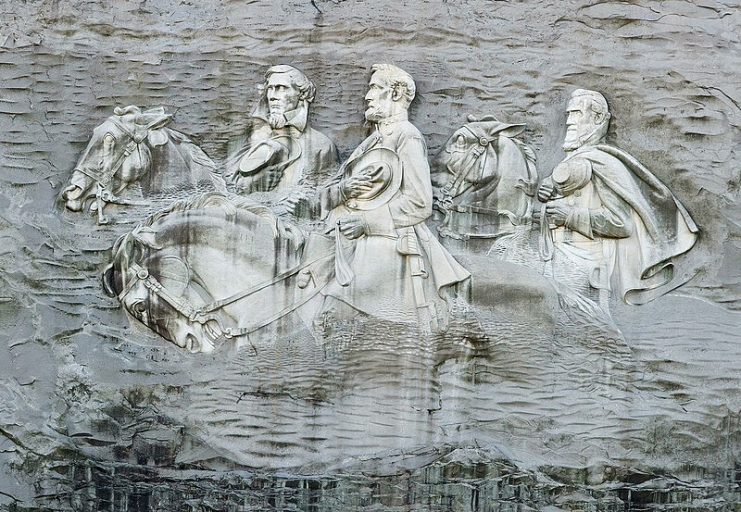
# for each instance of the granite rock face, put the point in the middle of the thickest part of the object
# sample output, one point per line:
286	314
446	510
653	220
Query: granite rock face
522	403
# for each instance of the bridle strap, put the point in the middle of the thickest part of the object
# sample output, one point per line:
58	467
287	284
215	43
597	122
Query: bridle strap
478	150
208	308
130	146
199	314
150	282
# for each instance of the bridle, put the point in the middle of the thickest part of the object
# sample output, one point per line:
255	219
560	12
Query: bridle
478	150
204	314
103	194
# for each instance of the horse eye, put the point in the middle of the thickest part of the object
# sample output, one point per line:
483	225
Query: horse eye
139	307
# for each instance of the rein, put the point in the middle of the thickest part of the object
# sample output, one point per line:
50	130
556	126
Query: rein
103	195
209	308
201	314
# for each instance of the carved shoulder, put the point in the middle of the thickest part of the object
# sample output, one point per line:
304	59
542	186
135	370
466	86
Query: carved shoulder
320	141
408	130
596	156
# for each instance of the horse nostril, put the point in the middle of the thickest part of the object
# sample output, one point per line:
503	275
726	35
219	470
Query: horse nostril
192	344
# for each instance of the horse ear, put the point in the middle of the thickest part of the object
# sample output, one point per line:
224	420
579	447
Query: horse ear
146	236
473	119
153	120
109	281
131	109
158	121
508	130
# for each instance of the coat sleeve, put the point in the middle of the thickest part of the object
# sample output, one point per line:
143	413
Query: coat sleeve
330	196
613	218
413	203
324	181
324	164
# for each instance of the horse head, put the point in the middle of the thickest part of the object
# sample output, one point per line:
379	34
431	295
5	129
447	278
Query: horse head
152	285
169	271
118	154
483	170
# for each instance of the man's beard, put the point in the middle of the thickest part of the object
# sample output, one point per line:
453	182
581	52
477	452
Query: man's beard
276	119
374	114
572	140
577	138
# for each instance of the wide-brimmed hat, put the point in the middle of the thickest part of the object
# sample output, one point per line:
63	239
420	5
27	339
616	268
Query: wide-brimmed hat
264	153
384	168
571	175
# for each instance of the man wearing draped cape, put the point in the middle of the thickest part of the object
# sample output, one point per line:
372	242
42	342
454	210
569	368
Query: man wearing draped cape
609	226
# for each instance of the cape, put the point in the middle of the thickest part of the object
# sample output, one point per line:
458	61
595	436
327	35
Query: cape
664	229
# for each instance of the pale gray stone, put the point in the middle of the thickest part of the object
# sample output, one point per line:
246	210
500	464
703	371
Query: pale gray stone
532	404
134	147
283	155
486	180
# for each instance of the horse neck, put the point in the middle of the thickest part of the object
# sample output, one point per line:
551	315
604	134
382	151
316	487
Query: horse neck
177	164
512	170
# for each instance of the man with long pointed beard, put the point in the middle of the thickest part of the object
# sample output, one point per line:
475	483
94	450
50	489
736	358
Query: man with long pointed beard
608	224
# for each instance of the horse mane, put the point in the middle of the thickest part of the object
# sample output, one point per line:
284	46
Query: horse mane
187	167
189	151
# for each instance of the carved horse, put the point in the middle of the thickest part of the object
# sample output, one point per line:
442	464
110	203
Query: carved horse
211	269
207	269
485	180
130	147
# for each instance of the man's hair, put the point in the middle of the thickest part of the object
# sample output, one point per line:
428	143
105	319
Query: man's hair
598	105
397	77
306	88
596	101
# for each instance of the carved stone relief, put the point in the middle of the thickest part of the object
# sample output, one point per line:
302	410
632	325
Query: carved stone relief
605	223
283	156
137	148
296	293
486	181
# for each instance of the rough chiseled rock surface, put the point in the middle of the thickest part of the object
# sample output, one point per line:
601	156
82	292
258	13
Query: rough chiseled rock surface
97	414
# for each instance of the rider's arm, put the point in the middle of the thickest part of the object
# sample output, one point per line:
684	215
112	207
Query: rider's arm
412	204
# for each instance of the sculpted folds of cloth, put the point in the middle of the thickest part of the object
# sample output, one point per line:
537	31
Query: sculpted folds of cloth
388	264
283	153
608	223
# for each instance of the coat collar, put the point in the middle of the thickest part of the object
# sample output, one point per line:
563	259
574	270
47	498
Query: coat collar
386	125
297	118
